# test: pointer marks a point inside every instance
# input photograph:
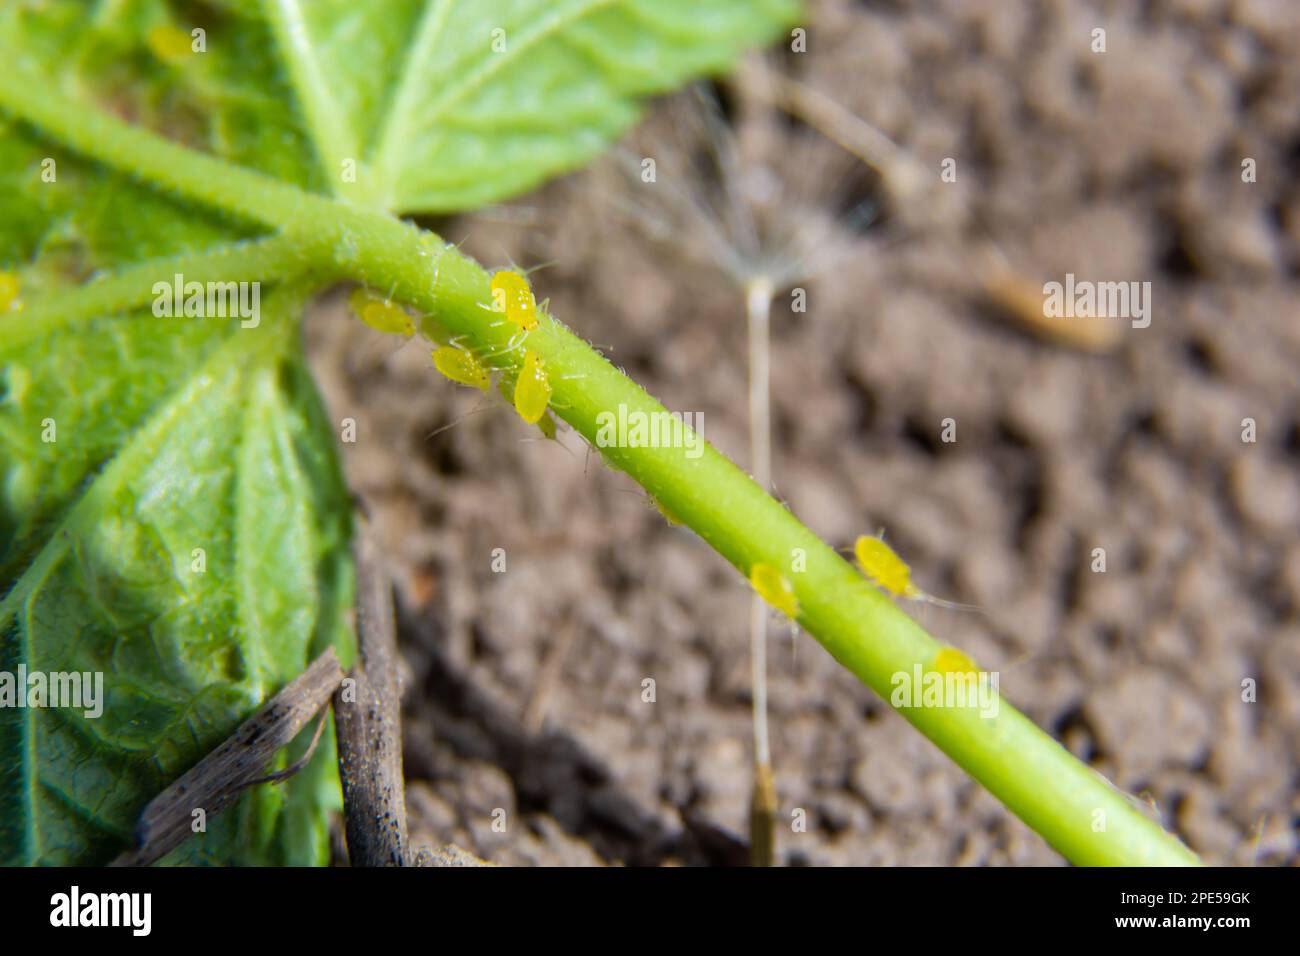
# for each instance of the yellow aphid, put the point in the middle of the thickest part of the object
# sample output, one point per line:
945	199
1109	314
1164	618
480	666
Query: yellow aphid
512	295
546	424
8	291
884	568
532	389
380	314
461	366
773	588
887	571
169	43
671	518
952	661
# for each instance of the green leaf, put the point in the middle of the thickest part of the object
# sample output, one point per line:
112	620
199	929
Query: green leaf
450	104
426	105
170	435
180	530
171	511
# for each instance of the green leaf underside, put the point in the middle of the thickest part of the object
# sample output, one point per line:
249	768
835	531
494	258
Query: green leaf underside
224	456
171	434
174	434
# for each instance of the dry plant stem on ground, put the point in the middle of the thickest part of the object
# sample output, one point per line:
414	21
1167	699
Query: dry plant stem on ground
1057	795
368	726
369	731
366	707
218	780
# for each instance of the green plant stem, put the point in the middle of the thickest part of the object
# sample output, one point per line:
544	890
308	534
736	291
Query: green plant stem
1061	798
1072	806
270	259
161	163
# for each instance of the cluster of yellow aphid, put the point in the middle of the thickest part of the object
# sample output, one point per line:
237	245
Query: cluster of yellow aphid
882	567
511	296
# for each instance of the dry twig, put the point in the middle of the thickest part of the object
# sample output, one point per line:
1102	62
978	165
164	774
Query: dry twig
368	726
217	780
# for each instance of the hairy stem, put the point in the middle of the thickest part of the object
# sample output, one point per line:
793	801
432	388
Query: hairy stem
163	164
1074	808
273	258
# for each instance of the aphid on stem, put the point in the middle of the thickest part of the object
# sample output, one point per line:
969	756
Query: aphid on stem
380	314
952	661
461	366
887	571
773	587
546	424
664	510
512	296
532	389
